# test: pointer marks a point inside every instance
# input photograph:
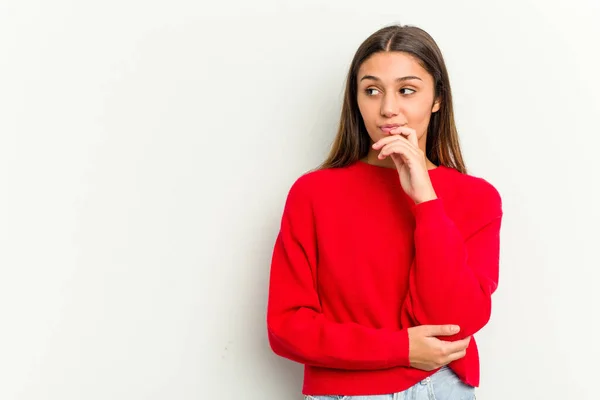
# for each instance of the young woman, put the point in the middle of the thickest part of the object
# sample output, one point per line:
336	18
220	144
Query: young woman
388	254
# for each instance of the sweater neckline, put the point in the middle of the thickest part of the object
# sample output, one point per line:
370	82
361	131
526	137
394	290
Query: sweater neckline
365	165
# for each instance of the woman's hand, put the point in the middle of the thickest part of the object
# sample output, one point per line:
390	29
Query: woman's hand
403	147
426	352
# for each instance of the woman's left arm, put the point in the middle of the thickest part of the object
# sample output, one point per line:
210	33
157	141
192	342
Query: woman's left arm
453	277
454	274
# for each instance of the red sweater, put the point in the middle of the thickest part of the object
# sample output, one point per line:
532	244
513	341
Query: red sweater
356	263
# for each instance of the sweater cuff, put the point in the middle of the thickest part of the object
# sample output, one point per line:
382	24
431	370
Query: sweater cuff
428	212
400	349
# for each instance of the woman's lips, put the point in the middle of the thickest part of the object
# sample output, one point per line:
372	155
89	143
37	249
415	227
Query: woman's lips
388	128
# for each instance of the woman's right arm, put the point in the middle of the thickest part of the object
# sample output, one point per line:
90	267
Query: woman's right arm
297	328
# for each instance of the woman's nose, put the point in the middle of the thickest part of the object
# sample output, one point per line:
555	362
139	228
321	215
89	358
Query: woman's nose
389	106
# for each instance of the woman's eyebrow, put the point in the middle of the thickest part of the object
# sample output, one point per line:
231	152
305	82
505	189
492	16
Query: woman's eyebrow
404	78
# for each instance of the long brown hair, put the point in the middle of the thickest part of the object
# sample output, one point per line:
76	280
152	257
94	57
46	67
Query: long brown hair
352	142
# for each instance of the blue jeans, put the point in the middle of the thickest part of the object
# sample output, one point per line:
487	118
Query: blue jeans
443	385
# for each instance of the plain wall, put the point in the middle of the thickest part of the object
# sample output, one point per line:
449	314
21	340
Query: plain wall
146	149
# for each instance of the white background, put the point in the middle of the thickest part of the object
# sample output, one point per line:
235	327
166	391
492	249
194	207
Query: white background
146	149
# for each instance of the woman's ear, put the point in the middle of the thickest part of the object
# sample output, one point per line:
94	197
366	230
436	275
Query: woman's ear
436	105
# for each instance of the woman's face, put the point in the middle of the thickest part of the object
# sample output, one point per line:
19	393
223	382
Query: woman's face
394	89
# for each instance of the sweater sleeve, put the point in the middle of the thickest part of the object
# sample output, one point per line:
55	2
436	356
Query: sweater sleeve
297	328
453	277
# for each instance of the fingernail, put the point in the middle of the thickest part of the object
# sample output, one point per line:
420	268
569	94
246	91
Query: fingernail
454	328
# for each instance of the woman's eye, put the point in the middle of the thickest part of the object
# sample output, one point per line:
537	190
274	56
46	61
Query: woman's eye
373	91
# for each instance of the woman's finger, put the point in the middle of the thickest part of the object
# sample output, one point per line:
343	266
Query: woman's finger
400	147
457	345
393	148
390	139
408	133
455	356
